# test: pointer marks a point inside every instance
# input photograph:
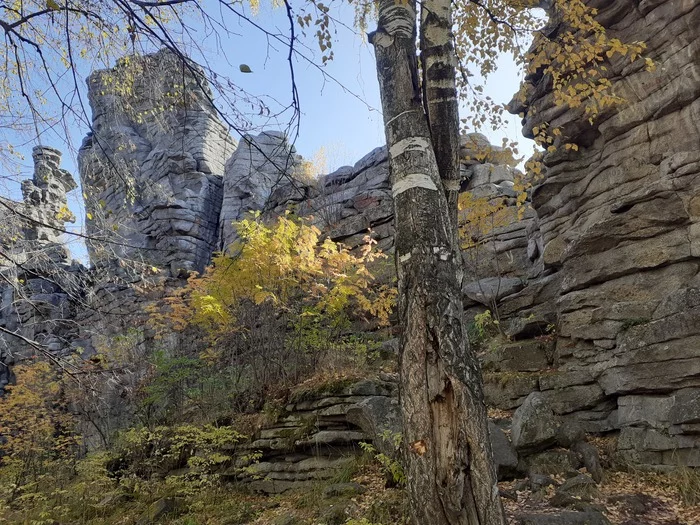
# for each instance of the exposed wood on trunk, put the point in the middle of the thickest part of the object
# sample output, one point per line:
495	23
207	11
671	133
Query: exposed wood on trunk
449	468
440	88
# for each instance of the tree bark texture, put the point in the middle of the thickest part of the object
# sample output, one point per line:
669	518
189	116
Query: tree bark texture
449	468
440	94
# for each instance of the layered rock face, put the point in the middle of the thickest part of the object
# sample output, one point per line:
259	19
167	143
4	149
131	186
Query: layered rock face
318	434
152	168
259	165
347	204
619	222
40	285
355	202
45	201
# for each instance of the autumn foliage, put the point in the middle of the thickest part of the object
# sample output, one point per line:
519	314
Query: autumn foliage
285	301
37	431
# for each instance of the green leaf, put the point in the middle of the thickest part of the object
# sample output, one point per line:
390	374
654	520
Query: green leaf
51	4
245	68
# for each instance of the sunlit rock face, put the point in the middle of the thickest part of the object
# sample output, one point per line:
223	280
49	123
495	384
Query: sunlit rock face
619	222
260	164
45	200
348	205
152	167
354	203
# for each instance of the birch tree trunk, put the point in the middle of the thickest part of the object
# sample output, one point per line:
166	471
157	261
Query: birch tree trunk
449	468
440	94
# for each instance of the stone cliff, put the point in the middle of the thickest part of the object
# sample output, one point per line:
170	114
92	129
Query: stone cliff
619	274
596	288
259	165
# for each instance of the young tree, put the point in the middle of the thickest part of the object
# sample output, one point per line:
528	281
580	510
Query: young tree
450	470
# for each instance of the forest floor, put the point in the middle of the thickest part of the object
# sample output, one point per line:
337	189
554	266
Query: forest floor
362	497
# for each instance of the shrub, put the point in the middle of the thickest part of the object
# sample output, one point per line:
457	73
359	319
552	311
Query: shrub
37	432
279	307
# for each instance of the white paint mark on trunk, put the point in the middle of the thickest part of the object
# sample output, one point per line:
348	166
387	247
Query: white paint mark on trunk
410	144
413	180
398	116
400	20
442	251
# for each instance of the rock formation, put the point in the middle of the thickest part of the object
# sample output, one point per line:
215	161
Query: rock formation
596	288
346	204
317	435
259	165
153	164
619	270
40	284
45	202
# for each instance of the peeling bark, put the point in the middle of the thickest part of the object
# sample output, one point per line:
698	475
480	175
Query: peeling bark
449	468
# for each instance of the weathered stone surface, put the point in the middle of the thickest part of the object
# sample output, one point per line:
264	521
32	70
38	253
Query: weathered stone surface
569	433
562	518
40	286
491	289
526	356
259	165
319	435
581	485
574	398
557	462
540	481
534	424
617	233
503	452
379	418
588	455
45	202
152	168
345	204
506	390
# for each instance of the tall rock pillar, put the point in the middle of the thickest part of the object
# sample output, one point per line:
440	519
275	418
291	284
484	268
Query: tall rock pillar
152	167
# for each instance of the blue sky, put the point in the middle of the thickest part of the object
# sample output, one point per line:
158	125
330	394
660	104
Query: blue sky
340	110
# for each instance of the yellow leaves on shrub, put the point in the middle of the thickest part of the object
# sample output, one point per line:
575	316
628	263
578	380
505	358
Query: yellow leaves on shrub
36	428
480	216
575	58
286	265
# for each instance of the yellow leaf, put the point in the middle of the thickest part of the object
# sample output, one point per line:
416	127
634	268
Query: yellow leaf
419	447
